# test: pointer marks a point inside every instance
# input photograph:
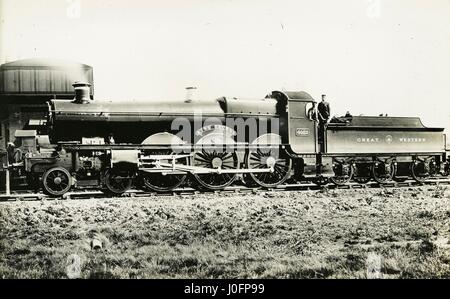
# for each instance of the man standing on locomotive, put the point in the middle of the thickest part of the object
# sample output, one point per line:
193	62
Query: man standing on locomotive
324	114
324	110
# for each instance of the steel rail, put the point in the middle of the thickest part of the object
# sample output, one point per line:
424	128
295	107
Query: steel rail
189	191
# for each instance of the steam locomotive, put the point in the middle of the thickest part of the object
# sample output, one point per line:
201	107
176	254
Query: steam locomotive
162	145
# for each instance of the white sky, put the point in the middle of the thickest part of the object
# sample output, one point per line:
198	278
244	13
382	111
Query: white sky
368	56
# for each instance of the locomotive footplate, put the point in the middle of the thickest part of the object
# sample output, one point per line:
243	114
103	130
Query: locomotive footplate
175	148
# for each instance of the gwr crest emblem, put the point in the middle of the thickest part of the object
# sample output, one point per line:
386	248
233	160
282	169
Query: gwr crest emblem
388	138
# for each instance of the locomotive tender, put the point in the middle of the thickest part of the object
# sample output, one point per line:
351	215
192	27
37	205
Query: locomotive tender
162	145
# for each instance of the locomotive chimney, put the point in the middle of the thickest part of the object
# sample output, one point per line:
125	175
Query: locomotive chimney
190	94
82	92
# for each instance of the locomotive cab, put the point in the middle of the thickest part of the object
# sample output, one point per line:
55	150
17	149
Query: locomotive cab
297	128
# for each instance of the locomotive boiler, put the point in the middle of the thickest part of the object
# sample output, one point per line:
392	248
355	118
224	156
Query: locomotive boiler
161	145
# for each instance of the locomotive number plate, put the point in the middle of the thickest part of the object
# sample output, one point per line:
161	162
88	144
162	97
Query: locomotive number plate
301	132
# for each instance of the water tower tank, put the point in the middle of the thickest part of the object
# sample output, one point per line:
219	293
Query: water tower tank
45	78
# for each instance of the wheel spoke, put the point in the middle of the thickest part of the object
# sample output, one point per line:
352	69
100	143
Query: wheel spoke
259	160
253	158
228	166
227	156
59	187
201	159
215	181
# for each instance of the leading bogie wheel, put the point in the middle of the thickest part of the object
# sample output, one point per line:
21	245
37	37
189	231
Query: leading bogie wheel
56	181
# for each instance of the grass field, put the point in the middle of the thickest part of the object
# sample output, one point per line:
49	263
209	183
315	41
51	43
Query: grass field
386	233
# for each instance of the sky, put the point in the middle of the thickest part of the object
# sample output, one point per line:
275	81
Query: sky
368	56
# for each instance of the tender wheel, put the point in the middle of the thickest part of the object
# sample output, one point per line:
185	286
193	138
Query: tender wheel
268	159
446	170
164	182
343	174
383	172
420	171
117	182
56	181
210	158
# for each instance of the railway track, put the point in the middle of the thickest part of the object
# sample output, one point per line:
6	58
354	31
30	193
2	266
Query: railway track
188	191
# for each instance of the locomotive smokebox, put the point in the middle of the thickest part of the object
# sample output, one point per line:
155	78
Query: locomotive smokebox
82	91
190	94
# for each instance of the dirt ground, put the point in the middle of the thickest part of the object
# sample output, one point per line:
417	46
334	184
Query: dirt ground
373	233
